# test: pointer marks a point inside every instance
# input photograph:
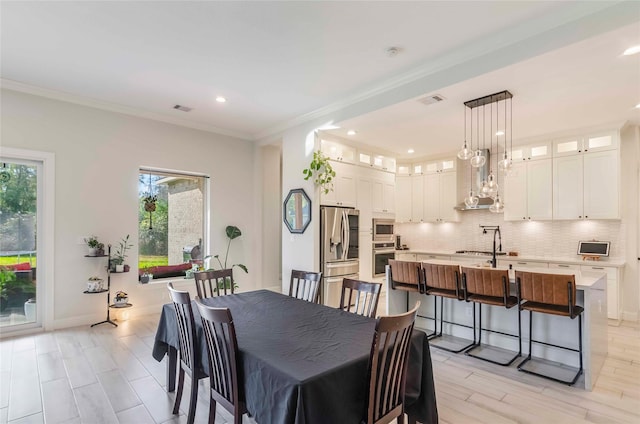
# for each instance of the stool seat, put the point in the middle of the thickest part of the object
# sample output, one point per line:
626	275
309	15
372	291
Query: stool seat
511	301
545	308
452	294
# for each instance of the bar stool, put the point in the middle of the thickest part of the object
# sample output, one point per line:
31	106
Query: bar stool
553	294
408	276
444	281
490	286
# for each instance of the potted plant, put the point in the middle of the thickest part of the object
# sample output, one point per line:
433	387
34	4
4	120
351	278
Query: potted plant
92	243
321	171
150	202
233	233
121	299
121	254
146	276
100	249
95	284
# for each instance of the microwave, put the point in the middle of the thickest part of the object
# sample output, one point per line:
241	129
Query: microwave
383	229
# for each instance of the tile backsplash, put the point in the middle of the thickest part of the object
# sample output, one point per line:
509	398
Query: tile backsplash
530	238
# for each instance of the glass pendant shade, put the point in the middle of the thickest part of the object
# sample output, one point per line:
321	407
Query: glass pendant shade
498	206
492	186
465	153
478	159
471	201
505	163
484	190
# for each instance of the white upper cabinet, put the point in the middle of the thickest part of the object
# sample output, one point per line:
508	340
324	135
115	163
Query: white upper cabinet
587	185
417	187
383	196
536	151
598	141
440	197
528	191
338	151
403	198
439	166
344	187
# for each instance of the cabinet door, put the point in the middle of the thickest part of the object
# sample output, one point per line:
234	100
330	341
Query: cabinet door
567	187
601	185
515	193
539	189
345	189
431	198
364	205
417	187
377	191
403	198
389	197
567	146
601	141
448	197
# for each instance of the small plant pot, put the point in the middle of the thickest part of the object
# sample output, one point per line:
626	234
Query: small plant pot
95	285
30	310
121	303
127	268
119	268
93	251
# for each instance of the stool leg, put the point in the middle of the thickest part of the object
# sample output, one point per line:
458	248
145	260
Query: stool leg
530	332
480	324
474	323
580	339
519	331
441	313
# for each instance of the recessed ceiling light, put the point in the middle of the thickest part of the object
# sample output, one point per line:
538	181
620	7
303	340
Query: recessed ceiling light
632	50
221	99
410	151
500	133
351	132
638	106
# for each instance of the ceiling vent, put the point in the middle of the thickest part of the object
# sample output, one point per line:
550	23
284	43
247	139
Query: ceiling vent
183	108
431	99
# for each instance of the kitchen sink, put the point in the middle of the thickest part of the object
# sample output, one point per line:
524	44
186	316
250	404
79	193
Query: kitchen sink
479	252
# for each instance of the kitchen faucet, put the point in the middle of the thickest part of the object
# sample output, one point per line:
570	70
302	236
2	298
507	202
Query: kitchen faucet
496	230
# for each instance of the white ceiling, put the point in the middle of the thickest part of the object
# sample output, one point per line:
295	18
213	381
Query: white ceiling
277	61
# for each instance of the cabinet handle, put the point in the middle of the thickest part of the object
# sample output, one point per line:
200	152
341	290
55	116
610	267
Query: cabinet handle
521	263
579	216
586	216
524	217
596	267
529	217
563	266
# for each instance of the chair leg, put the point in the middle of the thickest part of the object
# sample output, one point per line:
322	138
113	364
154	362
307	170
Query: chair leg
194	399
212	410
176	405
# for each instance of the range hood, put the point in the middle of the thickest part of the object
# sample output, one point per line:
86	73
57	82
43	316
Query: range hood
481	174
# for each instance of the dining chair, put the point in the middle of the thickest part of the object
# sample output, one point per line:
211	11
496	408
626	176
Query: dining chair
553	294
187	336
361	295
305	285
222	353
388	367
217	281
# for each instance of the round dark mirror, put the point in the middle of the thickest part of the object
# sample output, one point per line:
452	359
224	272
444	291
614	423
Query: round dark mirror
297	211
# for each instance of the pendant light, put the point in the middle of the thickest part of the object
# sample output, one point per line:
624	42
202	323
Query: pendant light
492	184
498	205
484	191
478	158
506	162
465	153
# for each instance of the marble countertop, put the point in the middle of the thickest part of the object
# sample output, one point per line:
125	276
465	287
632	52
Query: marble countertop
576	260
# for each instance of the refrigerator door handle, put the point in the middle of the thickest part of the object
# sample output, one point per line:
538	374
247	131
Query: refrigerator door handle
345	236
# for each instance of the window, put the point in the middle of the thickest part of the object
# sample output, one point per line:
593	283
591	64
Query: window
171	222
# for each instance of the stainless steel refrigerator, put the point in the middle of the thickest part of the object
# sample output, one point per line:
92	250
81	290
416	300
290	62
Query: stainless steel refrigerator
339	250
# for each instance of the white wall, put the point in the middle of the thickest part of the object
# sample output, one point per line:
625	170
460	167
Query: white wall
270	157
630	183
98	154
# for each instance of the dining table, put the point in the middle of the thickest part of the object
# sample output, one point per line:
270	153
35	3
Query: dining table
301	362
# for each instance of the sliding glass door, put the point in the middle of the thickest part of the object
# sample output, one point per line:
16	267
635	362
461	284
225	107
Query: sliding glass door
20	189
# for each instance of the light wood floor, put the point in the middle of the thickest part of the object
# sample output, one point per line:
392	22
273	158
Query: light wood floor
106	374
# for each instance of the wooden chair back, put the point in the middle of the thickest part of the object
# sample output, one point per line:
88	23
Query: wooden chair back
186	327
388	367
305	285
444	277
218	282
406	275
547	289
222	349
362	296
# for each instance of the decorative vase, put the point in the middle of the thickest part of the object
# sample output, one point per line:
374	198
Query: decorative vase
119	303
127	268
119	268
92	251
30	310
94	285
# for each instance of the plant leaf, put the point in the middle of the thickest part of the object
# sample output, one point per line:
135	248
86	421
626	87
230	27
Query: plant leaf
242	267
233	232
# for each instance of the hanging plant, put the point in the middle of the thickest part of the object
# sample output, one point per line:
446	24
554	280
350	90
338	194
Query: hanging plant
150	202
321	171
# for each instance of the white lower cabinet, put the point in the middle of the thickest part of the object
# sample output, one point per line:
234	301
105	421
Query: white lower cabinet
517	264
614	294
405	256
426	257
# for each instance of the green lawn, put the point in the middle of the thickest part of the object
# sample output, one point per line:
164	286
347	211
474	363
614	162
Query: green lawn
12	260
147	261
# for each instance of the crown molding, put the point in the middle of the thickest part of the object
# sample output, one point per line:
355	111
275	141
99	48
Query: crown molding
114	107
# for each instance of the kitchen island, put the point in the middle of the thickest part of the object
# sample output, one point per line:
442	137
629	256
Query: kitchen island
591	294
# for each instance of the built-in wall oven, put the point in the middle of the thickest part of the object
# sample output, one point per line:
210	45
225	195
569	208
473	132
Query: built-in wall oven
382	252
383	229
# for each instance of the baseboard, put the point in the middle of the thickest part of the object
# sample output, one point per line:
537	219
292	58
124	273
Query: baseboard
630	316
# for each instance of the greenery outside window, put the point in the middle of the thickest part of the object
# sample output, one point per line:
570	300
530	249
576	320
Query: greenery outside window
171	222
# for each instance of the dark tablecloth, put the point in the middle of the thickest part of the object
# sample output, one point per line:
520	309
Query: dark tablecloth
305	363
